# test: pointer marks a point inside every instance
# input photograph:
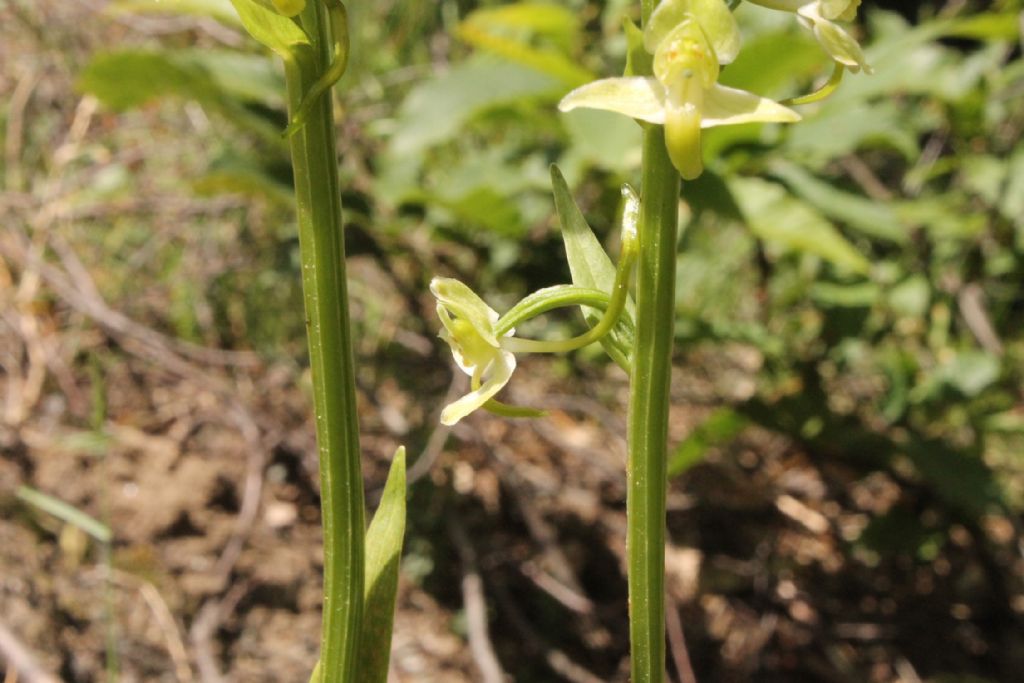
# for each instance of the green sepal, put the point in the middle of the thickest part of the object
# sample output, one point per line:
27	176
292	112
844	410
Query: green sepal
638	59
273	30
383	553
591	268
713	16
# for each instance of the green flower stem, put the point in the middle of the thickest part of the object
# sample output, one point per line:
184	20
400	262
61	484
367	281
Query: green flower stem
648	409
321	242
616	304
548	299
648	404
821	93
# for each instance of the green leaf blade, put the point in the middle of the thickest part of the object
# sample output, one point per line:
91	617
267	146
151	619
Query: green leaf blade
383	553
591	268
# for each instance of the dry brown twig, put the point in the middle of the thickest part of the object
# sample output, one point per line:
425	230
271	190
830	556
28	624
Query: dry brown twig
475	604
21	660
208	619
164	619
677	643
559	662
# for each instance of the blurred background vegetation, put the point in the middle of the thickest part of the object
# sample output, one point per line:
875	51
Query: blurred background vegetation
848	411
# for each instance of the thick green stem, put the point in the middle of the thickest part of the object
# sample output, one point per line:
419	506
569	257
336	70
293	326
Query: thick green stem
321	242
648	409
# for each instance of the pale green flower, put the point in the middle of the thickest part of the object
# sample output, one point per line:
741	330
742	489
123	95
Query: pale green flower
820	16
689	39
469	330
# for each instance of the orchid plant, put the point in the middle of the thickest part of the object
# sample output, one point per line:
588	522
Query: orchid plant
670	87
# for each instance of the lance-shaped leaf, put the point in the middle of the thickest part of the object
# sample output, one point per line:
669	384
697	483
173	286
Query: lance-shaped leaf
383	553
590	267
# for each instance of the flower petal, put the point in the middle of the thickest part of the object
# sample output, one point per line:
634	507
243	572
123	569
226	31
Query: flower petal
500	372
449	333
725	106
714	18
846	10
683	54
682	139
840	45
636	97
781	5
466	305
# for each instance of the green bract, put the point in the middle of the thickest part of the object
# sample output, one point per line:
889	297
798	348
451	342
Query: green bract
689	39
469	330
279	33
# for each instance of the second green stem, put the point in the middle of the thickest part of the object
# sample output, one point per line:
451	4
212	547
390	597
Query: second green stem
322	247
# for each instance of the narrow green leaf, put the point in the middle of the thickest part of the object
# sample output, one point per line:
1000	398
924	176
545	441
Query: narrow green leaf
546	60
776	217
220	10
438	108
273	30
544	18
383	552
65	512
875	219
590	267
130	78
987	26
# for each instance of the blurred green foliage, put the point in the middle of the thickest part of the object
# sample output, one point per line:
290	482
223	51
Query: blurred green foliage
871	257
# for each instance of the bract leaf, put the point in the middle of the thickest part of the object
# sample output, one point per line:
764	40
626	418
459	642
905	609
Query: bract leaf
277	32
383	554
724	106
590	267
636	97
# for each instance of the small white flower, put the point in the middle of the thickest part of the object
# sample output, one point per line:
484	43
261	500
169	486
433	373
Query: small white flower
469	331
